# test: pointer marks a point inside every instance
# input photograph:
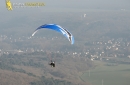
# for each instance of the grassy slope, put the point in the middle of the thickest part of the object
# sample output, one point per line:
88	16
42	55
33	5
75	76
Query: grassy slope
14	78
67	68
109	75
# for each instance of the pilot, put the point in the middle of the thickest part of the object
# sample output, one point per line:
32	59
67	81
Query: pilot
52	63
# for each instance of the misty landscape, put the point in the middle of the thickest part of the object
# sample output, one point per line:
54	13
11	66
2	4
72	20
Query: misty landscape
100	54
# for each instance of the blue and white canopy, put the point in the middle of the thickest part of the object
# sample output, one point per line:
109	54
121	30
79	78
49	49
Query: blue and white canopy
57	28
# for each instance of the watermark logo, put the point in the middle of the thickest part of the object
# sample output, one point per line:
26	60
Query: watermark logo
10	5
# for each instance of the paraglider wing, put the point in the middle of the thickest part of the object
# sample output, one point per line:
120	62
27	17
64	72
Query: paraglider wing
59	29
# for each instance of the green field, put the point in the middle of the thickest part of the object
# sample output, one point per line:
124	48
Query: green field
108	75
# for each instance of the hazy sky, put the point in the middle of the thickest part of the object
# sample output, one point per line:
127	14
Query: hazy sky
59	5
15	18
78	4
